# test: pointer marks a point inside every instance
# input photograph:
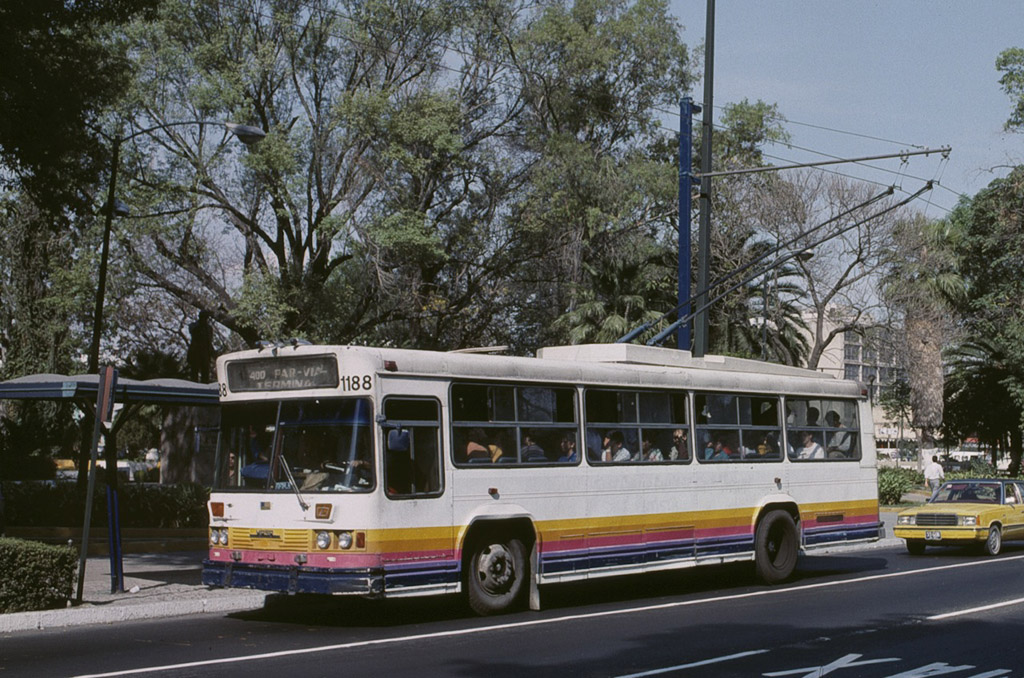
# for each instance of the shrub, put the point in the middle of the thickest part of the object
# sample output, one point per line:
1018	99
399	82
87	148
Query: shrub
893	483
62	504
35	576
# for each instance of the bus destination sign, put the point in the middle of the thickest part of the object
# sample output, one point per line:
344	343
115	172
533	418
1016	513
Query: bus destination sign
283	374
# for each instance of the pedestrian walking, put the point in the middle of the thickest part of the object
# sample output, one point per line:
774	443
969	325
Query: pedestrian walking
934	475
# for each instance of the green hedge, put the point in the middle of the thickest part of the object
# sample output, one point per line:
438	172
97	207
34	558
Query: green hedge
35	576
62	504
893	483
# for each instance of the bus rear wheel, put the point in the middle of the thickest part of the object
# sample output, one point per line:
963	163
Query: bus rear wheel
497	575
776	543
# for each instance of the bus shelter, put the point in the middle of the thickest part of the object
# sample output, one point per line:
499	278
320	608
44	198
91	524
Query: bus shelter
85	391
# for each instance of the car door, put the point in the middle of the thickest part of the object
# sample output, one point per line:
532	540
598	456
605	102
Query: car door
1014	522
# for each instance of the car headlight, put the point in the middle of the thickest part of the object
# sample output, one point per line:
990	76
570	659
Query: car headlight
323	540
345	540
969	521
906	520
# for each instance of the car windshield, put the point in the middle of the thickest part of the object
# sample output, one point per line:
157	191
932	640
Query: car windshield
974	493
321	445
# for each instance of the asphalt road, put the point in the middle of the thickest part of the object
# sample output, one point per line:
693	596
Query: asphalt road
873	613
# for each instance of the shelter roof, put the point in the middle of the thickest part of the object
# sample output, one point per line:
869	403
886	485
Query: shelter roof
83	387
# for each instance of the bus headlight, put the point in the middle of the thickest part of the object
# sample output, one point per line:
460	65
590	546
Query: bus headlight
218	537
345	540
323	540
906	520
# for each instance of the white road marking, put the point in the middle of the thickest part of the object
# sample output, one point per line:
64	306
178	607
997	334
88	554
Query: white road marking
705	662
983	608
545	622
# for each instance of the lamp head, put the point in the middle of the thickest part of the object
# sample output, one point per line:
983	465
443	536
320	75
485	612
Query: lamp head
247	134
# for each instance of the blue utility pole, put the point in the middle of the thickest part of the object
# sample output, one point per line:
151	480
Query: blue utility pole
686	180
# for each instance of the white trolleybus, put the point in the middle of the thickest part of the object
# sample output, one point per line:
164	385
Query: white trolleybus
388	472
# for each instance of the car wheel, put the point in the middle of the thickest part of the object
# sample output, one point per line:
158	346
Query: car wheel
994	543
915	547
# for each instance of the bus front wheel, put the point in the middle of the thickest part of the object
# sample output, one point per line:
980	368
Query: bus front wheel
497	575
776	543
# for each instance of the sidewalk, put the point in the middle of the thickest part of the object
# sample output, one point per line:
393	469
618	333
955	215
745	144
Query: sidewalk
156	585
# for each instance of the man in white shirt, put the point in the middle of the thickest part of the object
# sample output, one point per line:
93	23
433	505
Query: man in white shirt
934	475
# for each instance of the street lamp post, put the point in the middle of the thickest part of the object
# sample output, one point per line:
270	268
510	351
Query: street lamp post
248	135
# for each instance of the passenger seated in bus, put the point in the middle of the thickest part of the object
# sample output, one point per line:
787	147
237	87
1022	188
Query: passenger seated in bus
531	451
650	452
476	448
680	446
840	442
718	450
568	448
809	449
615	449
766	447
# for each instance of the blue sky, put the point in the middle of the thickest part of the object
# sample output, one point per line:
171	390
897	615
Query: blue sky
918	73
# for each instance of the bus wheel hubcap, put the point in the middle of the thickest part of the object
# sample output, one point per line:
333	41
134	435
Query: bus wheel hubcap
495	568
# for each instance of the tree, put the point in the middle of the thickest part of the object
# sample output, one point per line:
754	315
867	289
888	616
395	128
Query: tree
923	287
847	249
991	255
61	71
602	181
894	399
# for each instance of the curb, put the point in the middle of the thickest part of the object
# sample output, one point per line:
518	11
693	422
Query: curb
236	601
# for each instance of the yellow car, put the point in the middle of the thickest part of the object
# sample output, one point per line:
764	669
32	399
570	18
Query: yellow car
966	512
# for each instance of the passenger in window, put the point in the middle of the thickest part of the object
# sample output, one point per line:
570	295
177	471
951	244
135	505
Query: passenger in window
650	452
718	450
809	449
812	416
766	448
476	447
530	450
680	446
568	447
840	442
615	447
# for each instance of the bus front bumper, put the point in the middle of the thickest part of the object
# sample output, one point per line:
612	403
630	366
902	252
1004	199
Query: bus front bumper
293	578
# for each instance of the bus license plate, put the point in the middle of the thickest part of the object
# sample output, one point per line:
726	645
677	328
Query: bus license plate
932	535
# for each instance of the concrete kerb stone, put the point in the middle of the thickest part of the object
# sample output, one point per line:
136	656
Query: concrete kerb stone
201	601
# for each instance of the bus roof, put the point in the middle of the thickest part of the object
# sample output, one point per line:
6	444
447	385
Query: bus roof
632	354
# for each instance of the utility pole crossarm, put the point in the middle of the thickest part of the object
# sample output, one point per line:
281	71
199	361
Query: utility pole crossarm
944	150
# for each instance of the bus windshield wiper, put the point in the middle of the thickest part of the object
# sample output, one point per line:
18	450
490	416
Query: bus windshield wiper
291	481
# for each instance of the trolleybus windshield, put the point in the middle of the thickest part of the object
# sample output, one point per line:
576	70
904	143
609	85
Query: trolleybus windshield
323	445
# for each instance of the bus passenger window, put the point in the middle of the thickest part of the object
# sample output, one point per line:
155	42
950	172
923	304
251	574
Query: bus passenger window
412	453
822	429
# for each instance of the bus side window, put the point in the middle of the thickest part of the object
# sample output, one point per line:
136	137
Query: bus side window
412	452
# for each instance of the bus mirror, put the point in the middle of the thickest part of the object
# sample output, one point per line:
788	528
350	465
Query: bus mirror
398	440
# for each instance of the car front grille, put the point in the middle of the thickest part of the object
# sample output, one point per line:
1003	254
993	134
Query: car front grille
936	519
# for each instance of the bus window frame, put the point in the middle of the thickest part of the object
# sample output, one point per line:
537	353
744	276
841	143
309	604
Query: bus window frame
638	424
412	423
510	457
738	428
825	431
